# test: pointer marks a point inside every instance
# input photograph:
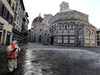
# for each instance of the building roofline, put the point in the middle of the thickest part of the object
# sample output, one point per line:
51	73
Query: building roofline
21	1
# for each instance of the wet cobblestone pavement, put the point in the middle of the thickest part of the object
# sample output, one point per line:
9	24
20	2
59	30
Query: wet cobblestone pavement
56	61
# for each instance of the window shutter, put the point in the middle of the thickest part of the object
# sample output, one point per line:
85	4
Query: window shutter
4	12
1	8
12	20
9	18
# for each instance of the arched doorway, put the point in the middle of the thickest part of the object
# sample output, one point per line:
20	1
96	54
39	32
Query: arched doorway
40	38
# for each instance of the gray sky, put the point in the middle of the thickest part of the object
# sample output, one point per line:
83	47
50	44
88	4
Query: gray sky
89	7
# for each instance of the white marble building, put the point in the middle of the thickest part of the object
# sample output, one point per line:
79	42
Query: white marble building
41	30
71	27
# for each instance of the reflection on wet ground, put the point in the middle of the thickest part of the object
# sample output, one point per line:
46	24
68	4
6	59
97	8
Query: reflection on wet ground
57	62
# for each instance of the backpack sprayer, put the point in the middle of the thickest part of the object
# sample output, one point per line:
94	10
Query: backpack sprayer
10	55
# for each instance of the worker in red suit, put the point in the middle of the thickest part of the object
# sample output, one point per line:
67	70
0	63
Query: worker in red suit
12	54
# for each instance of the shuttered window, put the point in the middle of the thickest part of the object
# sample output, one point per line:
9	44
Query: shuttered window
9	18
12	20
1	8
4	12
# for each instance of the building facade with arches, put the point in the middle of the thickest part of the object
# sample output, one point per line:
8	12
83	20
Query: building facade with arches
40	30
71	27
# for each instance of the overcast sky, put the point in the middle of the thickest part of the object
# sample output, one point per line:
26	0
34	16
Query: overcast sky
89	7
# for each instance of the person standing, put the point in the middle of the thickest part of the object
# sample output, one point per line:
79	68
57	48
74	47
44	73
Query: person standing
12	54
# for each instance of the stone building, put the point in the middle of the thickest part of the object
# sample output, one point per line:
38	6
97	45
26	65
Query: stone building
25	27
12	14
20	28
71	27
41	30
98	37
33	29
6	22
18	8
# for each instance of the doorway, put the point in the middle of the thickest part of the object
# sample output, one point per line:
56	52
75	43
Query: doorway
8	38
40	38
51	40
